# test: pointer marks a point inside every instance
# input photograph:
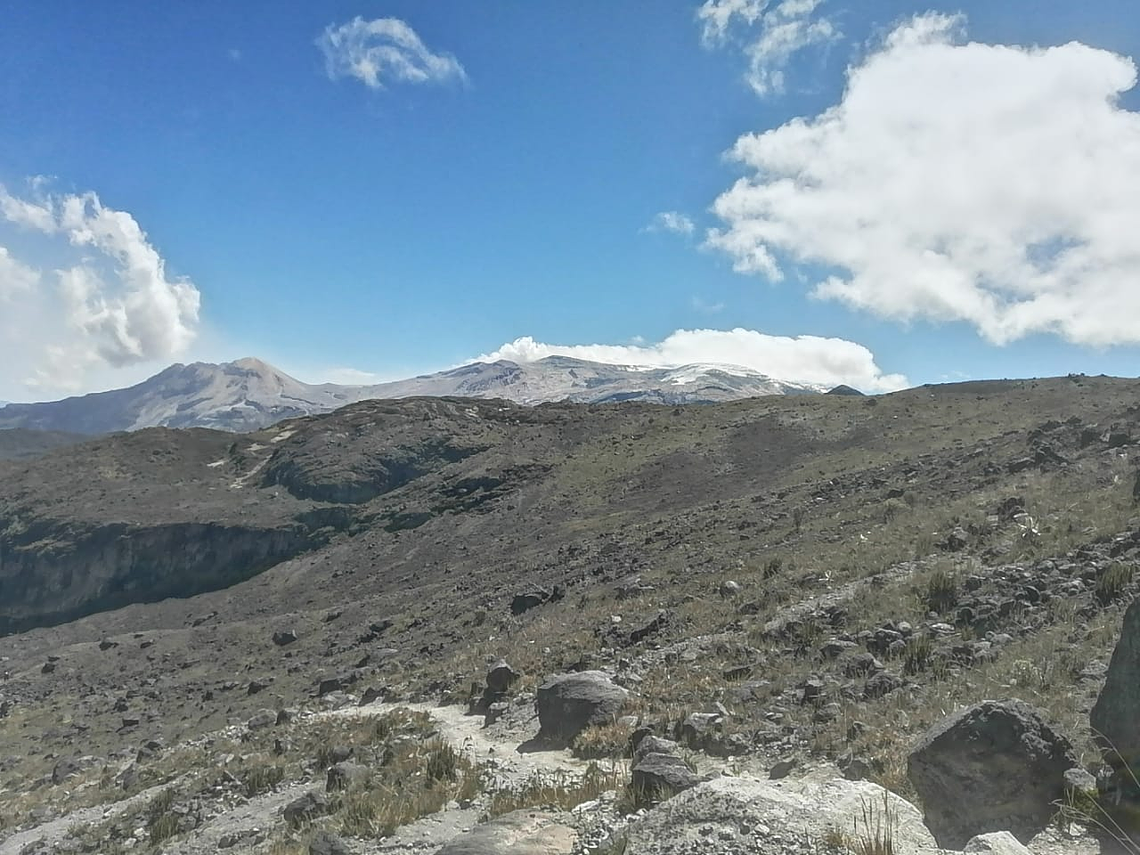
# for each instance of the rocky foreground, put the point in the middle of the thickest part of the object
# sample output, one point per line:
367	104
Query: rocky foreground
774	607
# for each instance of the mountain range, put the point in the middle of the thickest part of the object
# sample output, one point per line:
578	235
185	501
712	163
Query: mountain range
249	394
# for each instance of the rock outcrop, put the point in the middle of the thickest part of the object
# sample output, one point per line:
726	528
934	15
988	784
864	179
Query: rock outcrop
745	816
994	766
1116	713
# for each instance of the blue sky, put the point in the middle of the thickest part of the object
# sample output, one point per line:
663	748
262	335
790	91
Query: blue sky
332	214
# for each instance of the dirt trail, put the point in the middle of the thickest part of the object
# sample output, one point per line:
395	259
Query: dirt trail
496	748
51	833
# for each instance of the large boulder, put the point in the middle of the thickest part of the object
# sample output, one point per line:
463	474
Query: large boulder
569	703
522	832
1116	715
745	816
995	766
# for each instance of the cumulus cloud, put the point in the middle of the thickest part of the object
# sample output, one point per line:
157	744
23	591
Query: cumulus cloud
957	181
776	32
381	51
802	359
108	303
671	221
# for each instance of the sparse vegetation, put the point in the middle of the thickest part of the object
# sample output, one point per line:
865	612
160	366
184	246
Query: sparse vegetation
562	792
1112	581
604	741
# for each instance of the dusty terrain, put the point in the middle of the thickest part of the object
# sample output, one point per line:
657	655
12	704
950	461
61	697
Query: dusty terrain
974	540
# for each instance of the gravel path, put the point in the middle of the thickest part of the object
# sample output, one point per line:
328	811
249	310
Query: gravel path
49	835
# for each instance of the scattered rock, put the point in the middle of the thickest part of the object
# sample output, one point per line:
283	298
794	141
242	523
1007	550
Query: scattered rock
997	842
782	768
730	589
963	767
326	843
569	703
524	601
68	767
501	676
659	775
261	719
650	627
652	744
697	729
372	695
343	775
306	808
284	637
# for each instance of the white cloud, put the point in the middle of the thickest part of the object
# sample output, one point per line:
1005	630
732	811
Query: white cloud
109	302
16	278
803	359
381	51
785	29
955	181
671	221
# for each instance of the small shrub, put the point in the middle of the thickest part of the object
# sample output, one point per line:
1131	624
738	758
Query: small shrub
442	762
941	592
918	655
891	509
262	779
875	828
773	567
1112	581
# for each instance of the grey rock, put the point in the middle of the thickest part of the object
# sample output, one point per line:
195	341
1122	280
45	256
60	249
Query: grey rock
651	744
730	589
569	703
343	775
326	843
1117	709
306	808
743	816
997	842
524	601
501	676
782	768
261	719
1079	782
963	769
67	767
697	729
660	775
284	637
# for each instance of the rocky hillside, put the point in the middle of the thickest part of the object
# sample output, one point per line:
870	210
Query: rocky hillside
21	444
249	394
800	587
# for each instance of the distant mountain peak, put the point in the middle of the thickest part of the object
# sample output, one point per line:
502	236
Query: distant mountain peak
249	393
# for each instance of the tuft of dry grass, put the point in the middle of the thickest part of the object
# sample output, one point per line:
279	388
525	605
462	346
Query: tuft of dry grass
608	741
563	791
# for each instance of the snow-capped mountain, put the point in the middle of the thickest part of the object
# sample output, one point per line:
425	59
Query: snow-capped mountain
248	394
562	378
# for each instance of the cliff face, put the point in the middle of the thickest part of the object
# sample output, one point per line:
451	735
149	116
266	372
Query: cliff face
54	572
158	513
